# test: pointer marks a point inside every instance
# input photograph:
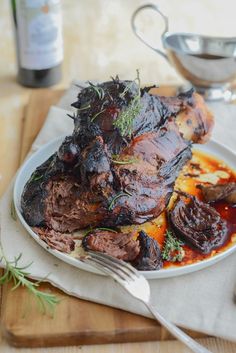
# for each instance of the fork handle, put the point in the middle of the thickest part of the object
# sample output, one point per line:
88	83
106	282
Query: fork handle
178	333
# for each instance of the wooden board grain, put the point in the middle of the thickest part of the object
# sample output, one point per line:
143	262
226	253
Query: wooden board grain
75	321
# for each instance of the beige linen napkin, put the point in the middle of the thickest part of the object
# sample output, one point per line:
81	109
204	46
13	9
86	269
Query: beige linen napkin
202	301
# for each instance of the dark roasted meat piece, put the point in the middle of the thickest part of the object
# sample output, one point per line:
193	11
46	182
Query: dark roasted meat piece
226	192
149	257
56	240
197	223
193	118
119	245
103	177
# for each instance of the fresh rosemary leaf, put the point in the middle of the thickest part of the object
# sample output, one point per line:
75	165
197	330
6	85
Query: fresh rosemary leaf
116	160
128	192
96	115
101	228
172	250
19	277
108	229
83	108
128	87
99	90
13	211
120	194
35	177
124	122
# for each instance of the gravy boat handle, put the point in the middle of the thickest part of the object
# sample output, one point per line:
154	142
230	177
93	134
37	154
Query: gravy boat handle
138	33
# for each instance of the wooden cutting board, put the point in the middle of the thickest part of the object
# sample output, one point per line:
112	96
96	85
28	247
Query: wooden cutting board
75	321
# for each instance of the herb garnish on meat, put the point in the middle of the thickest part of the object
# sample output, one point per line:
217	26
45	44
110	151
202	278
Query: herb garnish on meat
99	90
172	250
116	160
120	194
124	122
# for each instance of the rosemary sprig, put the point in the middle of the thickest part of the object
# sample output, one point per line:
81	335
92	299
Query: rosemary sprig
101	228
120	194
172	250
124	122
115	159
128	87
96	115
35	177
13	211
19	276
99	90
84	108
108	229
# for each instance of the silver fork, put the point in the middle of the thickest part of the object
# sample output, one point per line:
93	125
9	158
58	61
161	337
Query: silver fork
136	285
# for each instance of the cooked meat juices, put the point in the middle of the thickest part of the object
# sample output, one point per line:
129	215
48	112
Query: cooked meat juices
111	171
214	193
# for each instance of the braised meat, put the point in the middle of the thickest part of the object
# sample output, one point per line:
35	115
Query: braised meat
120	164
59	241
226	192
119	245
197	223
144	253
149	257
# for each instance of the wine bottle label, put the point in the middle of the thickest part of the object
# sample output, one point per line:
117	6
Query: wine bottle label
39	33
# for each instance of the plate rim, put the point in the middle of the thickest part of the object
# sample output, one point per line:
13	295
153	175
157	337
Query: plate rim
155	274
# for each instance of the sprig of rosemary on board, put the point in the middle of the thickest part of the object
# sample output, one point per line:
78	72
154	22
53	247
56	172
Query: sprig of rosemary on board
124	122
13	272
172	250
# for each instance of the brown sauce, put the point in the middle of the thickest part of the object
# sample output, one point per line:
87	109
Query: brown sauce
209	56
201	165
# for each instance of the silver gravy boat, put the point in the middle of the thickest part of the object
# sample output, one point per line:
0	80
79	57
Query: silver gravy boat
208	63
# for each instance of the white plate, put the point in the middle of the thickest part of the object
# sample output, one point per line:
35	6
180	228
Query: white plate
47	150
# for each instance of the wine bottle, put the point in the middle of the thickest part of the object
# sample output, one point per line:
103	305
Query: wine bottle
39	46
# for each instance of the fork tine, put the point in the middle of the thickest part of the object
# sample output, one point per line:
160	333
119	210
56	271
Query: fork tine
122	265
113	265
108	269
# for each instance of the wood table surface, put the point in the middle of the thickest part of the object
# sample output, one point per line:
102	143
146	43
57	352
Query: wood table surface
97	51
27	132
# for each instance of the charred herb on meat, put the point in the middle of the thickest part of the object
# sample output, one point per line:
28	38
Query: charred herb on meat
172	250
84	108
120	194
97	114
124	122
99	90
128	87
115	159
102	228
36	177
18	275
